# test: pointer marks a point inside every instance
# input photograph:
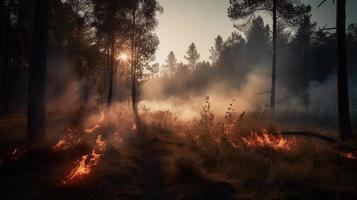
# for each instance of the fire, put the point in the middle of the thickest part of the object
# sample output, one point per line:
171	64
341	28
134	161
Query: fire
61	143
265	139
134	127
92	129
97	125
69	139
83	167
350	155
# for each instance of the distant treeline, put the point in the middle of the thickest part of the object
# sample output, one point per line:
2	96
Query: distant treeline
305	54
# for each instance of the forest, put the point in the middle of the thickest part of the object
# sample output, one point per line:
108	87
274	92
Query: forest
88	111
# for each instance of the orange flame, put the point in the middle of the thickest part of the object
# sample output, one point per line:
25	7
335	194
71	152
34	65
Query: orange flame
83	167
92	129
97	125
60	144
265	139
68	140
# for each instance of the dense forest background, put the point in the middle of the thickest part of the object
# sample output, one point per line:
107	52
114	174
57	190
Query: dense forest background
80	61
82	38
242	63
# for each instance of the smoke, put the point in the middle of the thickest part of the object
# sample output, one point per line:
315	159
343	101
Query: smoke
252	96
322	95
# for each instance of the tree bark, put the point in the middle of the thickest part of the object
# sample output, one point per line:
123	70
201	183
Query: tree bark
273	75
37	74
6	59
111	71
344	120
133	64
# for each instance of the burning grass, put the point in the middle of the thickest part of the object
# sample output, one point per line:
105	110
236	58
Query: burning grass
70	139
84	166
265	138
237	156
96	125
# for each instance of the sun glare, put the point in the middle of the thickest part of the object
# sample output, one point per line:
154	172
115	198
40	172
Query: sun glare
123	57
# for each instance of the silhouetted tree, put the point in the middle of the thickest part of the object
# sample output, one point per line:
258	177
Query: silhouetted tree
289	11
300	59
257	45
171	63
37	75
192	56
6	8
143	41
110	19
232	60
216	50
344	120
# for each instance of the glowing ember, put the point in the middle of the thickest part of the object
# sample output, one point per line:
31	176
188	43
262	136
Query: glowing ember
61	143
68	140
265	139
92	129
97	125
133	127
16	153
350	155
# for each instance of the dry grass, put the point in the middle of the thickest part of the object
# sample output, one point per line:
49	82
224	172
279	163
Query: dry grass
213	147
201	159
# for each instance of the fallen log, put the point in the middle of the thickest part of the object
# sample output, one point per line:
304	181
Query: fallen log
309	134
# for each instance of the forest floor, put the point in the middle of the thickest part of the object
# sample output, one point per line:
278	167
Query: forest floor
156	162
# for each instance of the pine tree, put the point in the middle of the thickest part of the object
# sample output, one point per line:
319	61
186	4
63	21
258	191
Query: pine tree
192	56
289	11
171	62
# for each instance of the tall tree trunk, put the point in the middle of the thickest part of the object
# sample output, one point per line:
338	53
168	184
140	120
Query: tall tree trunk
6	59
106	76
273	75
133	63
37	74
111	71
344	120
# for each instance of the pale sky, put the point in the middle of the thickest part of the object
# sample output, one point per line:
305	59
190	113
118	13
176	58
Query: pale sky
200	21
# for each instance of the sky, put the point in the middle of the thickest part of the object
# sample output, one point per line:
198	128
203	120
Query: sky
200	21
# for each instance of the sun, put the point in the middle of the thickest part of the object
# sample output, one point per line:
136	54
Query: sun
123	57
